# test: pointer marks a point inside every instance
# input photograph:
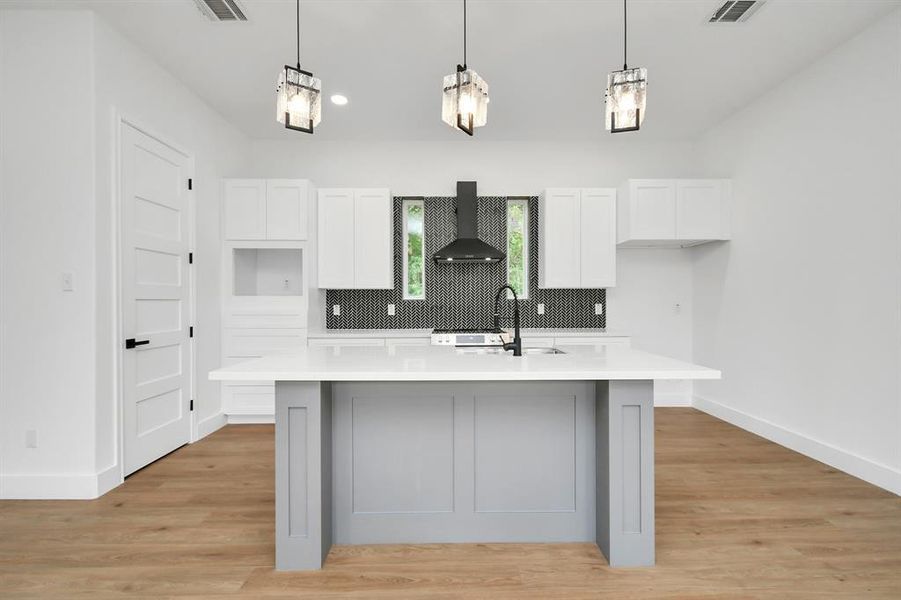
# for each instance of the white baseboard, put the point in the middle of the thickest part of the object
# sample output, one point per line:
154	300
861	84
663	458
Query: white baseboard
250	419
668	400
109	479
872	472
210	424
59	487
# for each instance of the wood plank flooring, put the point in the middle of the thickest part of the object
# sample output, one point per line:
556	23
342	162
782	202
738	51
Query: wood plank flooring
737	517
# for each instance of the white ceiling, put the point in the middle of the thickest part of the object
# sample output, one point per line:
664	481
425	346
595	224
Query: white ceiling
546	61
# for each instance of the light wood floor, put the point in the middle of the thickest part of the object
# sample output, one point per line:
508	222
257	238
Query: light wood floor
737	517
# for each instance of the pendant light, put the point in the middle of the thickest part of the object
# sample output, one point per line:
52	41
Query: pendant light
626	92
298	104
465	95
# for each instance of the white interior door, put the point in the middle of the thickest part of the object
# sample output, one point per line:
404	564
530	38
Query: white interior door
155	294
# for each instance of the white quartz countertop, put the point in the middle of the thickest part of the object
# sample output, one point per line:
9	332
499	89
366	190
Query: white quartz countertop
422	333
444	363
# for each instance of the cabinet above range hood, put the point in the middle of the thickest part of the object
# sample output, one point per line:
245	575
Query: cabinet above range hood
468	248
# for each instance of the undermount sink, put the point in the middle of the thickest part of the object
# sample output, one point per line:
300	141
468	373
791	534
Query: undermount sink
499	350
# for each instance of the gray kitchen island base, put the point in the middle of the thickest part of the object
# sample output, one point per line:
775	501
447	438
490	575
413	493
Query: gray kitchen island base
464	461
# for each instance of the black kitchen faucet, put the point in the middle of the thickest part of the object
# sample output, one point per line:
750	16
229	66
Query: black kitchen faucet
516	344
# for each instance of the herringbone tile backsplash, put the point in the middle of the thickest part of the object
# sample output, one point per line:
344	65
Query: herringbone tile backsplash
462	295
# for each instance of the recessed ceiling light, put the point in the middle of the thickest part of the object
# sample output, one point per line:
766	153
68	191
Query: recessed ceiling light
339	99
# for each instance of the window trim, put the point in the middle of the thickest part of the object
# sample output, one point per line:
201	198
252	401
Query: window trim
526	217
404	240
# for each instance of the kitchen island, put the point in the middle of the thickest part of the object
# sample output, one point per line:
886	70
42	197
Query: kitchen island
430	444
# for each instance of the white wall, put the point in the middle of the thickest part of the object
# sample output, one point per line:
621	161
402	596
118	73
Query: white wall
801	308
65	75
649	282
46	228
500	168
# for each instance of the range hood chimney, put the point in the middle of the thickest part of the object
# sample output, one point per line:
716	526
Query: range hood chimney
467	248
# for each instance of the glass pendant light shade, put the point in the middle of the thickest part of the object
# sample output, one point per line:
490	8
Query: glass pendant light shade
626	95
465	100
298	103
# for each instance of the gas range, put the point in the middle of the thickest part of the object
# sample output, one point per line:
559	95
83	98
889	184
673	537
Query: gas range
467	337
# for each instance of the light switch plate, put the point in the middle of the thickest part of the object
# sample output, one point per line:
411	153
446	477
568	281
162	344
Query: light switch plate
541	309
599	309
68	281
392	310
31	438
336	310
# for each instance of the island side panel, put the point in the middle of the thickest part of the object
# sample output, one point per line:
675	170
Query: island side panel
302	474
624	414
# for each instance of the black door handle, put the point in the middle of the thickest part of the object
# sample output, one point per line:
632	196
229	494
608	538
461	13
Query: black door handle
131	343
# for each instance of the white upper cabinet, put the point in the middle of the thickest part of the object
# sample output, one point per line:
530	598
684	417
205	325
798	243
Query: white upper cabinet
356	239
672	213
244	205
577	238
287	209
260	209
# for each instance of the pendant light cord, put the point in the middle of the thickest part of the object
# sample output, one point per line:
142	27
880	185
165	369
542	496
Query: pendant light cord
464	34
625	36
298	34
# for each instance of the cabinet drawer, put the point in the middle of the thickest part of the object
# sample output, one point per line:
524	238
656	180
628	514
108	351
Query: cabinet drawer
346	342
249	398
247	319
260	342
396	342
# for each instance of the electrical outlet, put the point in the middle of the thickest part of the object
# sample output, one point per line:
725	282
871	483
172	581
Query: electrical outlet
599	309
31	438
336	310
68	281
541	309
392	310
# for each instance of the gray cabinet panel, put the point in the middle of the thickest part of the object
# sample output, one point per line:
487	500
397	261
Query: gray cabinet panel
403	454
525	454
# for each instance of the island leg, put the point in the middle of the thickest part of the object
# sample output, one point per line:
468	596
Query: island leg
303	481
625	472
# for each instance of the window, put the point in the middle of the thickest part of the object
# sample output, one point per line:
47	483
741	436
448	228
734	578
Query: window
518	246
414	250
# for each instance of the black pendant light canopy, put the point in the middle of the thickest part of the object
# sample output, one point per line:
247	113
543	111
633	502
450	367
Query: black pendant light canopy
465	95
298	94
626	92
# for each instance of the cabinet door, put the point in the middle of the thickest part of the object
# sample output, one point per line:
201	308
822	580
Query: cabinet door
700	209
559	240
336	238
287	209
244	209
598	238
652	209
373	239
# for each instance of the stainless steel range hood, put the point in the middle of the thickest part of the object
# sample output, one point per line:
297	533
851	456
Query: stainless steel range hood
468	247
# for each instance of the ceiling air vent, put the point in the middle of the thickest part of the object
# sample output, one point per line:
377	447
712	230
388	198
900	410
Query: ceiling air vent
221	10
735	11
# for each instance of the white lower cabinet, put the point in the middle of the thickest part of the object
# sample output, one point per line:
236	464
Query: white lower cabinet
247	402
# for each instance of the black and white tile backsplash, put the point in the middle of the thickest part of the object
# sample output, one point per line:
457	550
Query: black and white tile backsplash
462	295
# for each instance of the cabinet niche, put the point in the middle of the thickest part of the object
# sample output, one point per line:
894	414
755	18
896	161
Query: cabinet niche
268	271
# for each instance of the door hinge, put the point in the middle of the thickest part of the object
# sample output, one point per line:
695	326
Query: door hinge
192	405
190	183
190	258
191	331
